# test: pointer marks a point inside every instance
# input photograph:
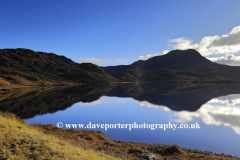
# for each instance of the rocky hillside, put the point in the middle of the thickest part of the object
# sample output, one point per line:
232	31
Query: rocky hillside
26	67
180	65
23	67
136	74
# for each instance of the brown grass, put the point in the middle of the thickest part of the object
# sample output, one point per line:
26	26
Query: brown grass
20	141
33	141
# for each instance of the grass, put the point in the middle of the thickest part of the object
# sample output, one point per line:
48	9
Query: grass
37	141
20	141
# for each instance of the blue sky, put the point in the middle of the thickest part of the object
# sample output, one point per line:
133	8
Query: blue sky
114	32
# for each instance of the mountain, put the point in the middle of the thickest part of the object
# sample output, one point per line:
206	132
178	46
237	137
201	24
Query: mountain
24	67
179	63
187	60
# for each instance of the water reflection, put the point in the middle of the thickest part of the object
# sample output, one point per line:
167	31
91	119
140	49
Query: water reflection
223	110
213	104
100	101
150	105
217	109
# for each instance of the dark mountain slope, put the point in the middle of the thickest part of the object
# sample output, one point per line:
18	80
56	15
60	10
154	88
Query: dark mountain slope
136	74
115	70
187	60
27	67
184	60
92	68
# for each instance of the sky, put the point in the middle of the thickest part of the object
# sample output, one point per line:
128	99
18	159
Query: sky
116	32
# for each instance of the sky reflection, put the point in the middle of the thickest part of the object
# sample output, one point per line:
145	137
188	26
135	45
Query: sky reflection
217	118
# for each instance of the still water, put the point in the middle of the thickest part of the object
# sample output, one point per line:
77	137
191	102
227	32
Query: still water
215	109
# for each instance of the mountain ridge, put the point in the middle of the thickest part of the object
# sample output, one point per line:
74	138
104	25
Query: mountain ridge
24	67
184	60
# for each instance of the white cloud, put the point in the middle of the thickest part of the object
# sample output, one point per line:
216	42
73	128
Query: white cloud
230	100
121	101
182	43
121	60
233	38
229	59
94	60
209	45
98	60
152	55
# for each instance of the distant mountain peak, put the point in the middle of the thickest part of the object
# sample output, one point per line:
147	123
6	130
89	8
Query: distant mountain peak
183	54
187	52
188	60
176	59
190	54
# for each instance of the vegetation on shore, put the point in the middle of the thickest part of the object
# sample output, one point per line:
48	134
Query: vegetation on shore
24	67
21	141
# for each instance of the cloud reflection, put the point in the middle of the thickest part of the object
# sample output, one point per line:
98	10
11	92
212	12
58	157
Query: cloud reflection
218	111
150	105
97	102
101	101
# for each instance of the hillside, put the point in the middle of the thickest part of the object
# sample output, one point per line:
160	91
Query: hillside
24	67
46	141
190	61
32	143
136	74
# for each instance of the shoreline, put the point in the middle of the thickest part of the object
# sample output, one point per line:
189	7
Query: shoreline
50	84
96	141
187	150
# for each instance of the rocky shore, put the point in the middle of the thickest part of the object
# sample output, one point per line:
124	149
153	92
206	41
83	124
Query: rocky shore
148	155
188	150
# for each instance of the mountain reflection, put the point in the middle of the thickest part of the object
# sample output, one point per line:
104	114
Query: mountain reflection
216	105
223	110
218	111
